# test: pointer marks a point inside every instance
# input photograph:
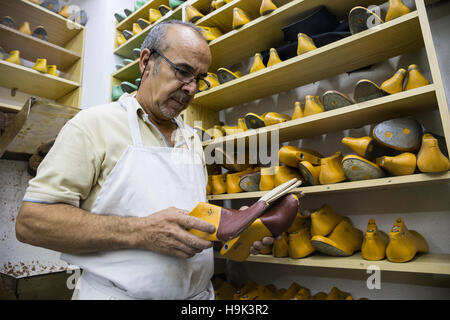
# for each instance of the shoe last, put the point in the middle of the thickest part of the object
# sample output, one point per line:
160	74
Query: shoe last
280	247
331	170
363	146
415	78
192	14
343	241
396	9
25	28
284	174
402	134
430	158
323	221
273	58
300	243
374	244
403	243
400	165
271	118
240	18
267	181
305	44
395	83
312	106
291	156
298	111
257	63
41	65
357	168
309	172
267	6
14	57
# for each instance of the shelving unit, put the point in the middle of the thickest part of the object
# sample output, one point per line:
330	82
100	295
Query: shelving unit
64	48
405	34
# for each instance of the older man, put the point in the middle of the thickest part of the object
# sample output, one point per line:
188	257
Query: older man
113	192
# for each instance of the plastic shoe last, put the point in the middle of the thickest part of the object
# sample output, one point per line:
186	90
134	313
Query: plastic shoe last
366	90
271	118
402	134
357	168
363	146
250	182
273	58
52	70
415	78
291	156
192	14
128	87
41	65
374	243
233	179
331	169
254	121
65	12
257	63
25	28
312	106
175	3
139	4
360	19
343	241
40	33
154	15
116	92
211	33
267	6
291	291
302	294
119	17
430	158
280	246
9	22
400	165
244	290
14	57
219	184
305	44
309	172
403	243
395	83
284	174
300	244
164	9
334	99
267	180
323	221
121	39
275	220
298	111
52	5
225	75
136	29
396	9
225	291
336	294
240	18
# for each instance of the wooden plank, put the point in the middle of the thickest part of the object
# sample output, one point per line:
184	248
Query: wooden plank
423	263
435	70
129	73
265	32
60	30
398	36
373	184
405	103
32	48
33	82
143	13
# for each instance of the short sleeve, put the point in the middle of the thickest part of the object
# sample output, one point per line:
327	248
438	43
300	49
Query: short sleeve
68	172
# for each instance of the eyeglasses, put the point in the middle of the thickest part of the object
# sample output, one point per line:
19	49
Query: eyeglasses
183	75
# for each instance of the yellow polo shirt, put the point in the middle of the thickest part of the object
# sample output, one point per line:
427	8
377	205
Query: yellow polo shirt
87	149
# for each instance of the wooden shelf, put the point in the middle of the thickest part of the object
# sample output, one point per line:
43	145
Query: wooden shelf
126	49
32	48
60	30
33	82
397	36
129	73
264	32
381	183
37	122
422	263
143	12
418	100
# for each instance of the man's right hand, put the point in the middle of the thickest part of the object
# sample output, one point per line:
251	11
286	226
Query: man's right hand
166	232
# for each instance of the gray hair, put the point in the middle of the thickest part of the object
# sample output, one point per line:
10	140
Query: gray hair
155	38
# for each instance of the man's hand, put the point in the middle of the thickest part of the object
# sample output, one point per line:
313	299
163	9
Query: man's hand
258	246
167	232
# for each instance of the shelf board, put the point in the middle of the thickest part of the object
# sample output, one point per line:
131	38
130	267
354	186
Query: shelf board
381	183
129	73
37	122
60	30
33	82
423	263
397	36
405	103
32	48
126	49
143	13
264	32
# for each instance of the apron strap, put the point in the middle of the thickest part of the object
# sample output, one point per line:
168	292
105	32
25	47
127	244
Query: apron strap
133	122
180	126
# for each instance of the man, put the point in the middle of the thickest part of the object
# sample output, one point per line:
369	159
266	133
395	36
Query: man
113	195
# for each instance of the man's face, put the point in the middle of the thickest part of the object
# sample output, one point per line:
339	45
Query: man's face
161	91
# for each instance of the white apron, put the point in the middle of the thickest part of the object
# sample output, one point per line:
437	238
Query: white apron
146	180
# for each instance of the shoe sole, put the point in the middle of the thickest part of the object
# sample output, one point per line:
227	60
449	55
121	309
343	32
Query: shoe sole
366	90
328	247
356	169
304	171
360	19
40	33
250	182
402	134
225	75
253	121
52	5
335	100
8	22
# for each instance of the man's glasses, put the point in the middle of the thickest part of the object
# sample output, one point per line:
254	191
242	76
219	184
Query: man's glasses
184	75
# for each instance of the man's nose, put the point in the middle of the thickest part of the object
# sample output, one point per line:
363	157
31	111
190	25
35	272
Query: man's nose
190	88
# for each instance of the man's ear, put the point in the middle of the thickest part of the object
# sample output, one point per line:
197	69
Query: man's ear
145	60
